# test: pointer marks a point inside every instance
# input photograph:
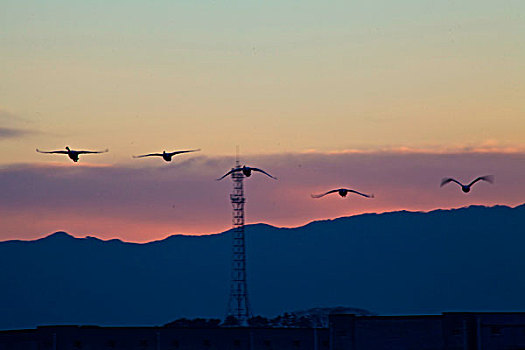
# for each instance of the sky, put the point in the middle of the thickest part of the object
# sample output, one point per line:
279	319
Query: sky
381	96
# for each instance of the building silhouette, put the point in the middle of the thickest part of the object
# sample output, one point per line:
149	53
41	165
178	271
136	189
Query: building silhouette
448	331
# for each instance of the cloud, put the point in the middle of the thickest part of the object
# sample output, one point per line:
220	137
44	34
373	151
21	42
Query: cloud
147	203
8	133
12	118
488	146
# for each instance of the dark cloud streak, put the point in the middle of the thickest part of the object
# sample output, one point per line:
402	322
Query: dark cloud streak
9	133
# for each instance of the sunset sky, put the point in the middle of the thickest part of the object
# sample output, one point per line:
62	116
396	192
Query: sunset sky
383	96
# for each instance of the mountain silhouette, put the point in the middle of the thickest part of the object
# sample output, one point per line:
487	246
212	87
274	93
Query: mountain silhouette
468	259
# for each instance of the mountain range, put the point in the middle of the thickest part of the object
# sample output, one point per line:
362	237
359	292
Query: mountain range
467	259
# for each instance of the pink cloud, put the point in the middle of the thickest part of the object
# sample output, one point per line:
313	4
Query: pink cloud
143	204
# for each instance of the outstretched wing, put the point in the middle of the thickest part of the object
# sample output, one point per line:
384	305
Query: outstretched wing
488	178
91	152
264	172
149	155
449	179
228	173
322	195
362	194
60	152
179	152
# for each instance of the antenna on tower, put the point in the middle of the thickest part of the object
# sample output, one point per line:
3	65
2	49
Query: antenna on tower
238	305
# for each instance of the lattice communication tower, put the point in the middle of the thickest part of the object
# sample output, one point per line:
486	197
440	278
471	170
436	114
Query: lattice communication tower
238	306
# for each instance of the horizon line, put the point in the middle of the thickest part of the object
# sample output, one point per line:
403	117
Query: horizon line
196	235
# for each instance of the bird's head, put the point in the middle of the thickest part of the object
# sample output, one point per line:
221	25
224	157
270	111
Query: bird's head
465	189
67	147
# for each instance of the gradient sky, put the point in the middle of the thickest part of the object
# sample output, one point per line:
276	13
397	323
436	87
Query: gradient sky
437	88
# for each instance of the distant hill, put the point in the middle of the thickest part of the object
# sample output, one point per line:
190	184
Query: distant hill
394	263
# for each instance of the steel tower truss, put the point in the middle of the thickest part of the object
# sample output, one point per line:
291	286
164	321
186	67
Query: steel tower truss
239	306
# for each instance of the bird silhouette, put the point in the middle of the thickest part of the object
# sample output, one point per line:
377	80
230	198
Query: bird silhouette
247	171
72	153
166	156
342	192
466	188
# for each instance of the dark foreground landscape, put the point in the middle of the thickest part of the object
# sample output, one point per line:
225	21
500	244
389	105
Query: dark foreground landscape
449	331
